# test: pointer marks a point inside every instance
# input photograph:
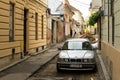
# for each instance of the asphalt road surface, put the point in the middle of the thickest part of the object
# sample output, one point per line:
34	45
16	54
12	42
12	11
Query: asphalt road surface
49	72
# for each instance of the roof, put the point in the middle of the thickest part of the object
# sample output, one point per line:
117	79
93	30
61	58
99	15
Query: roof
55	6
78	39
66	4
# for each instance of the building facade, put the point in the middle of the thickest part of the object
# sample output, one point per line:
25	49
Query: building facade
79	19
68	13
110	37
55	22
23	27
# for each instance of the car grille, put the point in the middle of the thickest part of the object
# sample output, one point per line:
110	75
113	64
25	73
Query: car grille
78	60
75	60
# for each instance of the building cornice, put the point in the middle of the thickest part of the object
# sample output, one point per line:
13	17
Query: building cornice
40	2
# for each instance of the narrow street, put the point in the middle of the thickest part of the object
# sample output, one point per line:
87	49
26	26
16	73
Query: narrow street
31	31
43	67
49	72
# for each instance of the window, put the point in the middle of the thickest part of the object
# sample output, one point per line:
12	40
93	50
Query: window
36	26
11	23
65	46
42	26
107	7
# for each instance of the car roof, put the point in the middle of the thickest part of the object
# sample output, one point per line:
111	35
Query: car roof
78	39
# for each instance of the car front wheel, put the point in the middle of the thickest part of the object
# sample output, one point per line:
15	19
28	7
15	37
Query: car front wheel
58	69
95	69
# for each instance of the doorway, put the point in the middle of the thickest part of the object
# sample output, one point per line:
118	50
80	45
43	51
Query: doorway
53	32
25	31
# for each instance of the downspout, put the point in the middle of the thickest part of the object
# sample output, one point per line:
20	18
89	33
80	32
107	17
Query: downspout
100	31
47	28
113	28
108	21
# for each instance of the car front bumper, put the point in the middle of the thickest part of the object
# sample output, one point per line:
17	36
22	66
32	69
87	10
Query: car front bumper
75	66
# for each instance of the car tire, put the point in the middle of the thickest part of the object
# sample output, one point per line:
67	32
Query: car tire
95	69
58	69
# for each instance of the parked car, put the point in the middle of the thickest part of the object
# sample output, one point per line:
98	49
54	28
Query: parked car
76	54
95	45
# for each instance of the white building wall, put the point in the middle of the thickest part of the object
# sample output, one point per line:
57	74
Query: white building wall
96	4
117	23
104	29
111	53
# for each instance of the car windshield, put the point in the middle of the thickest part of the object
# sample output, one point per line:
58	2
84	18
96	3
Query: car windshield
77	45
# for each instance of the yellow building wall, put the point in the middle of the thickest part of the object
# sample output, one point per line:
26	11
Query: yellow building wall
111	58
41	10
44	1
33	7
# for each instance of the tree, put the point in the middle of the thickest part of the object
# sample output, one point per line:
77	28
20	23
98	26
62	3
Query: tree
93	19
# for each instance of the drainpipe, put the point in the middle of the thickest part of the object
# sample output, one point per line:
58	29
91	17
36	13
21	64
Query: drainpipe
100	30
47	31
112	7
47	13
100	34
108	21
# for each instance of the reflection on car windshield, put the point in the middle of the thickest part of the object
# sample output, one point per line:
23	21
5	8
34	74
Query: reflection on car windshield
77	45
86	46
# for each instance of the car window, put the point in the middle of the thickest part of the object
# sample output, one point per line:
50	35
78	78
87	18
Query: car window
65	46
72	45
86	46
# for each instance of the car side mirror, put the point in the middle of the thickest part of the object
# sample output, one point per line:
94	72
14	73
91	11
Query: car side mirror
94	47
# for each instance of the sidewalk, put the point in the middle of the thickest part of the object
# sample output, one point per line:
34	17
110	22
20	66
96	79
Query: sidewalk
25	68
101	67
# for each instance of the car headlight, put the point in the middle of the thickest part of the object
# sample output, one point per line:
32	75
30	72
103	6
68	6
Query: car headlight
66	60
92	60
62	60
86	60
89	60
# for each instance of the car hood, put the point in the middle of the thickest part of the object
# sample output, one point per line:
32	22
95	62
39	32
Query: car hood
76	54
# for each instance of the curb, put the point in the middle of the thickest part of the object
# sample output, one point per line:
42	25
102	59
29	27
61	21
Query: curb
47	61
103	68
39	52
21	60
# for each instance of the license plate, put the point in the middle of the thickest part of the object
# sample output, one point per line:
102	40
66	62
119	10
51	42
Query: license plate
76	65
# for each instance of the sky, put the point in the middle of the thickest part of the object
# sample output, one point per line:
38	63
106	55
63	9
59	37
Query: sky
82	5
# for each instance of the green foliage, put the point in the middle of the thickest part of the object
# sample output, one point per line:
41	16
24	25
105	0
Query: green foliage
93	19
